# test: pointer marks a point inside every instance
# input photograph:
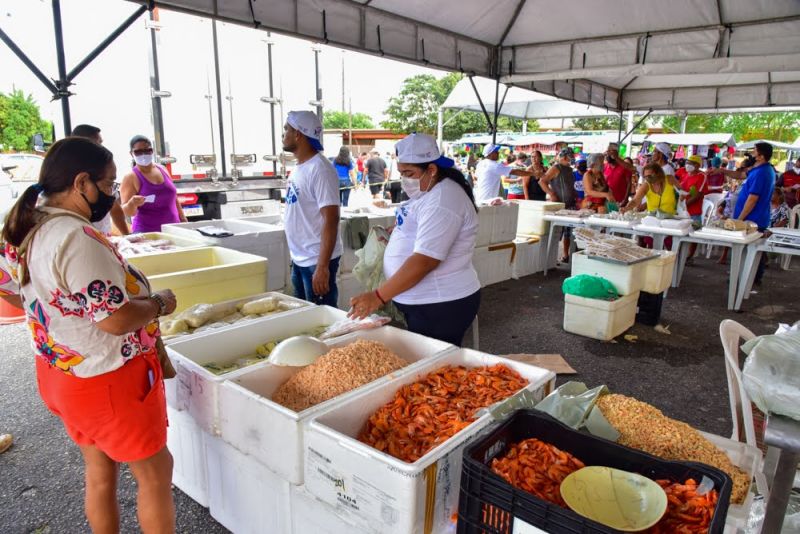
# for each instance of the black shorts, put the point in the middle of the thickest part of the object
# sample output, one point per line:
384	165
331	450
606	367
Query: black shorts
375	188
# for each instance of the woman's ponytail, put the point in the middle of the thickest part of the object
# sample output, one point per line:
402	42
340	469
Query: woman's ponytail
454	174
22	217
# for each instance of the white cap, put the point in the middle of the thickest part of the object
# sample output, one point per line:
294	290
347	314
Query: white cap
489	149
421	148
307	123
665	149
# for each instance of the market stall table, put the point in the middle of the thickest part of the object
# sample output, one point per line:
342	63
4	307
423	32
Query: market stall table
736	244
552	244
752	259
781	435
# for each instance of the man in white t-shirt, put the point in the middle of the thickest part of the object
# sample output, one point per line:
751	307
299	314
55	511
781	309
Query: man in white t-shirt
312	212
489	173
661	155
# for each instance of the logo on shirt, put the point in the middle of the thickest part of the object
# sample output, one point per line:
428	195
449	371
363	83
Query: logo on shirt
291	194
401	213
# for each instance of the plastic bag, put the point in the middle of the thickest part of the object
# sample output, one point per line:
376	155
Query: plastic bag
590	287
369	269
359	198
574	405
346	326
771	373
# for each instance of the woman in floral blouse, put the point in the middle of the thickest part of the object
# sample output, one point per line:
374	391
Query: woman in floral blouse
93	323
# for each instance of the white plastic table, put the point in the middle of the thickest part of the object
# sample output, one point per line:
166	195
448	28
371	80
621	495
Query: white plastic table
552	244
754	252
737	246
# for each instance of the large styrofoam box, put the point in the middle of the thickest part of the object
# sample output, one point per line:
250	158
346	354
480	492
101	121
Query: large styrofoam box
485	225
658	272
168	340
265	240
179	242
263	219
531	216
493	263
312	516
599	319
197	387
349	287
379	493
253	423
186	443
246	208
627	279
529	257
504	228
243	495
208	274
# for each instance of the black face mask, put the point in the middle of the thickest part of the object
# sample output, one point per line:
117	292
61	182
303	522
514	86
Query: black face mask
100	208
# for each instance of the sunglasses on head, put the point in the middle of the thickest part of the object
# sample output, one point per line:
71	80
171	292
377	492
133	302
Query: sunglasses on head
142	151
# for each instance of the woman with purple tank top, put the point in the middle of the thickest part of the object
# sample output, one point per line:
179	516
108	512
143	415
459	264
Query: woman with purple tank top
149	188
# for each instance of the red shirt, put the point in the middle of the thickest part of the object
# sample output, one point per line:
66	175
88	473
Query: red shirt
716	181
681	173
618	179
791	179
699	182
360	165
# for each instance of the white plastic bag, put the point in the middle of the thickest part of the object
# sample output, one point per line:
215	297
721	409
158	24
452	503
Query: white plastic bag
359	198
771	373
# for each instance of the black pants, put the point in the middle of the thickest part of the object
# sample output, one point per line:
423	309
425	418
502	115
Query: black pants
395	189
445	321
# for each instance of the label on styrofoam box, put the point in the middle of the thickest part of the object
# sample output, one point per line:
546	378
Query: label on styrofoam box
521	527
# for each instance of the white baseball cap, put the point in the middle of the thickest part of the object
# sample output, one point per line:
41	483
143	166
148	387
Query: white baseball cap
421	148
490	149
665	149
307	123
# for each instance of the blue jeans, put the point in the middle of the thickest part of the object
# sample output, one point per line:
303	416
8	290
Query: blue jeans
344	194
303	288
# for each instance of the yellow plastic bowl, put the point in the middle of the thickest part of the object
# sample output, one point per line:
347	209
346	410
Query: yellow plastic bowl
615	498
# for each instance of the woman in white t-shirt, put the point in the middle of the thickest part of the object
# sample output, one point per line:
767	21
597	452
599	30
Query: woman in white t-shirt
428	262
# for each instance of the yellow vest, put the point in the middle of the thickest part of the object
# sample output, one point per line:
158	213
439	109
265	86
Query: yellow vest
666	202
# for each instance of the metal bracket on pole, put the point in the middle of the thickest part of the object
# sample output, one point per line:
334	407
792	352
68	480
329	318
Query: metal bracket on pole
649	111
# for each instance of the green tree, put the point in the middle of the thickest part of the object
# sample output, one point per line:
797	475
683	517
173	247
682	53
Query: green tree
20	119
775	126
416	108
340	120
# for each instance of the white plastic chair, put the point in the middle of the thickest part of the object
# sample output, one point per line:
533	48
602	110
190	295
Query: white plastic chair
711	203
732	335
794	222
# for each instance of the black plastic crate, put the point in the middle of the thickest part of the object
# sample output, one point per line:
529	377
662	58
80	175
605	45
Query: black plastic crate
489	505
649	308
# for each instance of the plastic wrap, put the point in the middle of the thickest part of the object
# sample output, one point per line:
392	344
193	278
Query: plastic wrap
771	373
346	326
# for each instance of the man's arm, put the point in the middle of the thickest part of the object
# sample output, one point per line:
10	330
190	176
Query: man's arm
118	218
545	180
749	205
330	228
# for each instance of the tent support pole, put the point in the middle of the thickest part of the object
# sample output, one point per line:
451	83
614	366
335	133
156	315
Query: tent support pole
496	110
649	111
619	131
629	127
480	101
63	82
215	44
440	128
155	90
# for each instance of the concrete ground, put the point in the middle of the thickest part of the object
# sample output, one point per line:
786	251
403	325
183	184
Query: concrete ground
41	476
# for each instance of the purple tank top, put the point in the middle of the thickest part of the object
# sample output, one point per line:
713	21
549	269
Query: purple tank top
152	215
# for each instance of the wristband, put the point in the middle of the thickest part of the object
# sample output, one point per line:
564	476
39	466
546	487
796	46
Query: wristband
380	298
162	305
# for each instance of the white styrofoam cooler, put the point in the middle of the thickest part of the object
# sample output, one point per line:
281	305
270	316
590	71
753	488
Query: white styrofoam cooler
379	493
256	425
658	272
599	319
246	208
531	216
497	224
312	516
196	388
627	279
529	257
494	263
244	495
186	443
266	240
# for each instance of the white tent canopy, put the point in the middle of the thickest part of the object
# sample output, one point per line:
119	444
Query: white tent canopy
517	103
685	139
664	55
775	144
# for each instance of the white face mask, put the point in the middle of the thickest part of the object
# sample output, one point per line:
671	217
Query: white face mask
691	168
143	159
797	170
411	187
